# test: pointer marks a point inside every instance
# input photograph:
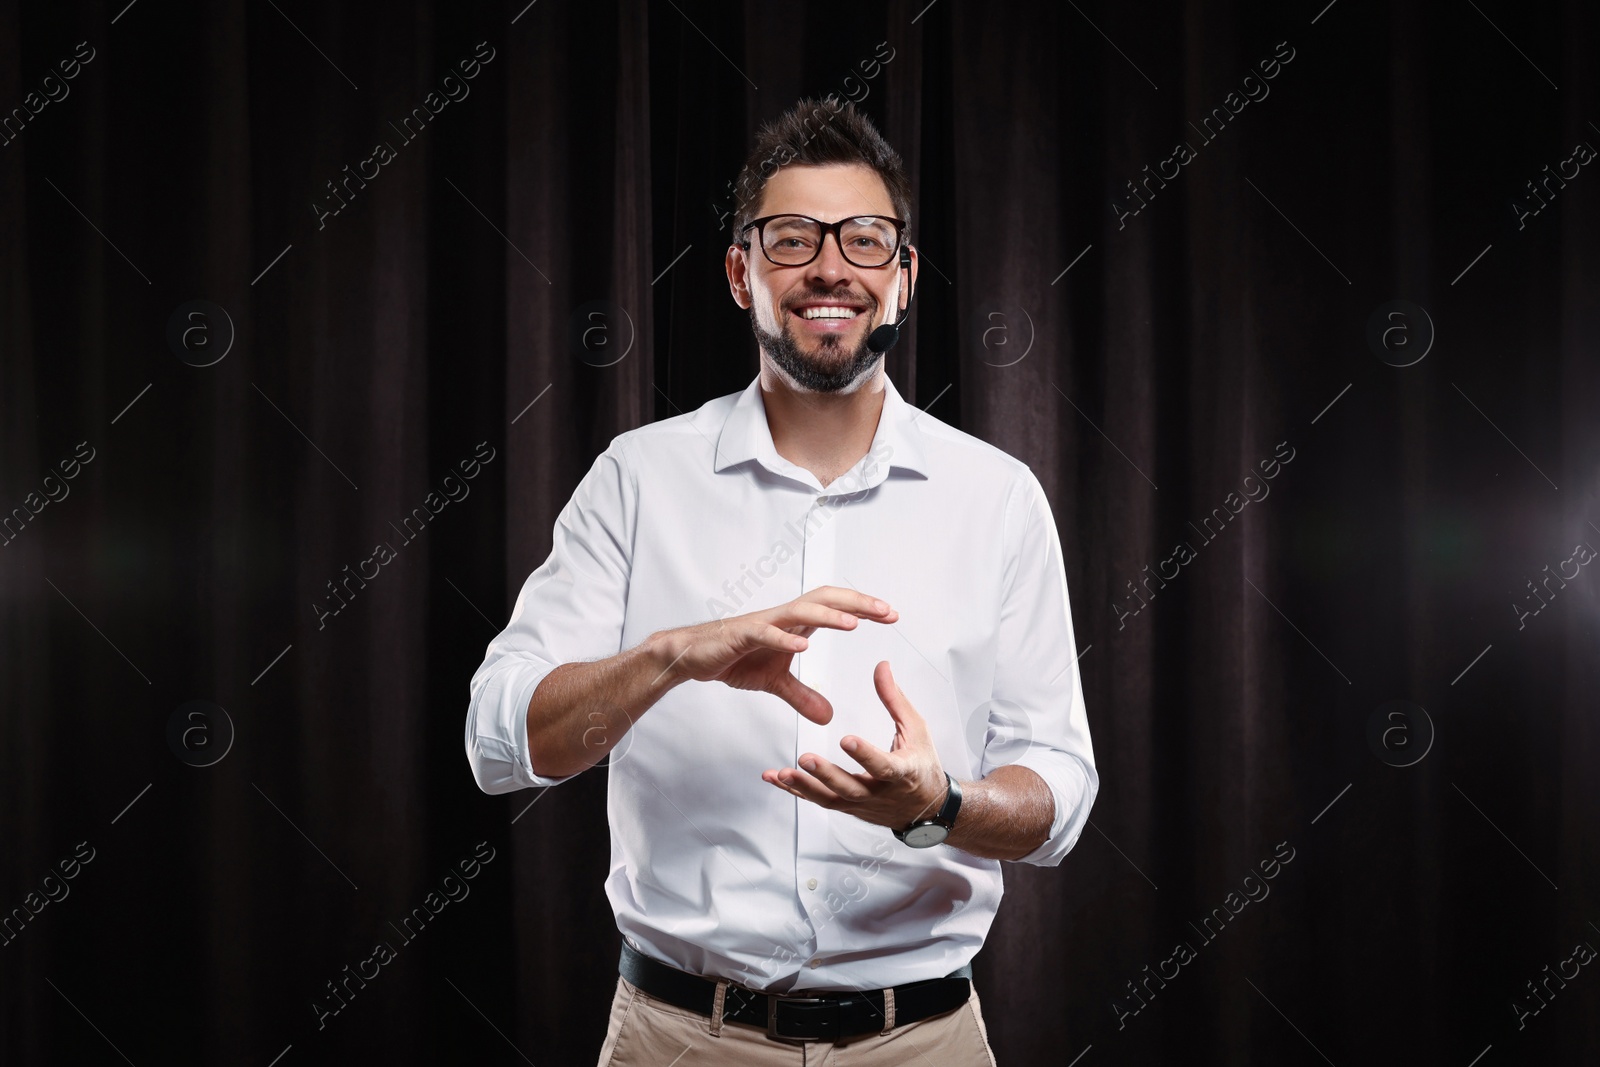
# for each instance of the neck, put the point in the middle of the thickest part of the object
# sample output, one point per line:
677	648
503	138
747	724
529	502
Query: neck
825	433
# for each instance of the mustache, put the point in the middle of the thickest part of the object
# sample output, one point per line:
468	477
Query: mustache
865	300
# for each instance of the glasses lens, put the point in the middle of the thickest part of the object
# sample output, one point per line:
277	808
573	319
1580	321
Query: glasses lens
793	239
868	242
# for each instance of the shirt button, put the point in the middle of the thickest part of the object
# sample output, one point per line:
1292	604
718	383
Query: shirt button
811	883
814	964
822	500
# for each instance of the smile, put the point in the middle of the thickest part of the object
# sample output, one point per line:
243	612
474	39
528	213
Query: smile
827	311
831	315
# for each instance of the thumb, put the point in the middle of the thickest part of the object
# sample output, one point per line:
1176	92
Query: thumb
905	716
804	699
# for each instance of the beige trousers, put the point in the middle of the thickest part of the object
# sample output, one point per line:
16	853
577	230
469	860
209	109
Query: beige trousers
646	1032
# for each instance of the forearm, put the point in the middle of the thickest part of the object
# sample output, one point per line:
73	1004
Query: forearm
1005	815
580	711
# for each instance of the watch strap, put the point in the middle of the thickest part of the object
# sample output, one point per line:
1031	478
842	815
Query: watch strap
952	803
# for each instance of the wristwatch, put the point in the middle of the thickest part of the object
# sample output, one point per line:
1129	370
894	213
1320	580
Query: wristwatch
925	833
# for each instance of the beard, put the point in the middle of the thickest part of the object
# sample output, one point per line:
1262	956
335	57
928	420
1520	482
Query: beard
833	368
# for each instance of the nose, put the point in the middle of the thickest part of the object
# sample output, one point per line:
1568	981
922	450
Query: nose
830	265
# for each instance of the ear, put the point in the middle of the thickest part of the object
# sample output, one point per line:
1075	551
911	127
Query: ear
737	265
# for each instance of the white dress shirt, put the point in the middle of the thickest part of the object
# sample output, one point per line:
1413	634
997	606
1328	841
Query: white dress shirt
713	870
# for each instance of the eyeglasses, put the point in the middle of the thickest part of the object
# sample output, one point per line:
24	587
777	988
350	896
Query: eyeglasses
795	240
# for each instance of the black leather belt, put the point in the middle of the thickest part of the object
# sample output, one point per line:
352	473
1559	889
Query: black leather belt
822	1015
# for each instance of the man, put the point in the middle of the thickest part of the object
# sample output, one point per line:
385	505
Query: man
805	841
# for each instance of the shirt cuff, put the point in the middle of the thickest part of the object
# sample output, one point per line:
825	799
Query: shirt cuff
500	757
1073	786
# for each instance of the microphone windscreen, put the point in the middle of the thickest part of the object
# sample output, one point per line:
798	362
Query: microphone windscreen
884	337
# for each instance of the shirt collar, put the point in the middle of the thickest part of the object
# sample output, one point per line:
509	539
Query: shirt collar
898	441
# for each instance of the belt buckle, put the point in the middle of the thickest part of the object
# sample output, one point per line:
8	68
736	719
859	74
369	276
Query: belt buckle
773	999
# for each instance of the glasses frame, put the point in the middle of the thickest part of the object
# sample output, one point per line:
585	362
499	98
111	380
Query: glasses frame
835	228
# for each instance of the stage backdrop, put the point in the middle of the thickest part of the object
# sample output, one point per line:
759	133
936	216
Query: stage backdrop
1292	308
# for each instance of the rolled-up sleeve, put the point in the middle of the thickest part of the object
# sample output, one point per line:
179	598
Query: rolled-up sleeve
1036	674
570	609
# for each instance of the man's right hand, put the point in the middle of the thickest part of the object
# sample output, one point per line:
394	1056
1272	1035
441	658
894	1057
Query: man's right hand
754	651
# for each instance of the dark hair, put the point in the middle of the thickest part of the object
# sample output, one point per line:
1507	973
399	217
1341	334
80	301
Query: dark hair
817	133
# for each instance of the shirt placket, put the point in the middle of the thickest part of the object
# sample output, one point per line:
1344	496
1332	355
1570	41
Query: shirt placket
819	566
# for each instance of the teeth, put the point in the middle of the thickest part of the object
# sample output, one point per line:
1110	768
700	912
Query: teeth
828	313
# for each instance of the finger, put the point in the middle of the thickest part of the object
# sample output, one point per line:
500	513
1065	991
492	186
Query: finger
765	635
843	784
771	777
906	718
802	698
800	613
803	786
873	759
853	601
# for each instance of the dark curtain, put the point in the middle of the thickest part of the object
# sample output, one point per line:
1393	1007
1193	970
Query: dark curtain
1381	665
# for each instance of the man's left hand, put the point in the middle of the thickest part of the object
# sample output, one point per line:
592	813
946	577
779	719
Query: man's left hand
901	785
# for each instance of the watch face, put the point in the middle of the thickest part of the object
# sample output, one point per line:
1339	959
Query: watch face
926	835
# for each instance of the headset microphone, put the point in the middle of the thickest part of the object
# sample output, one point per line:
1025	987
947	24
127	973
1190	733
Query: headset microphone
886	336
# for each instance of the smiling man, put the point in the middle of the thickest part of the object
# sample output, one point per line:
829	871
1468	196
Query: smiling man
806	841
